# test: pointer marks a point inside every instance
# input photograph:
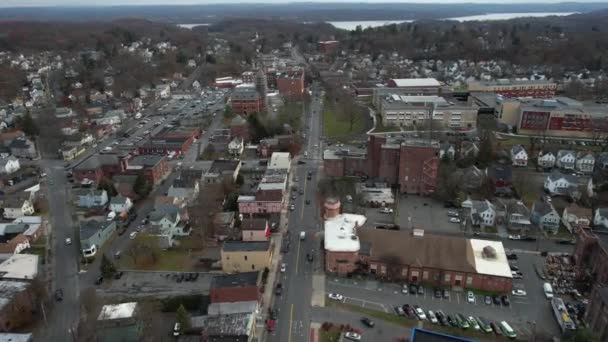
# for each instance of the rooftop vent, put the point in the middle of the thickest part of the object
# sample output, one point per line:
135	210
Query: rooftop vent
488	252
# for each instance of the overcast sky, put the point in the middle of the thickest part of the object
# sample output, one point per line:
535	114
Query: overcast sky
21	3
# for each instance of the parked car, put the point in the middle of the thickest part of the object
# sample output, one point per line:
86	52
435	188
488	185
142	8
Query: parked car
132	235
496	328
399	311
446	294
404	289
68	241
462	321
421	290
505	300
118	274
484	324
98	281
454	220
279	289
441	317
437	293
512	256
452	321
514	267
59	295
473	323
368	322
386	211
517	275
496	300
335	296
413	288
283	268
431	315
470	297
514	237
420	313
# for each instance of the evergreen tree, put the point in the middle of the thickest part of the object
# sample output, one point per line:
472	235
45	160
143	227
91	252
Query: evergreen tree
107	267
183	317
28	125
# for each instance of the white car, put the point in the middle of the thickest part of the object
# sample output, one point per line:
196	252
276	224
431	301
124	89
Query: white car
177	329
283	268
386	210
405	289
132	235
519	292
68	241
421	315
514	237
335	296
454	220
470	297
432	317
353	336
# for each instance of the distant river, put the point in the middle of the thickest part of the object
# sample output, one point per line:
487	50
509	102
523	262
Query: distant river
352	25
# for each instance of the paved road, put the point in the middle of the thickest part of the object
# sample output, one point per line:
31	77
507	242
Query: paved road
294	305
383	331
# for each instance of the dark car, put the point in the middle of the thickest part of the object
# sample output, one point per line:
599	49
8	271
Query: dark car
98	281
496	328
487	300
301	162
446	294
118	274
452	321
59	295
514	267
512	256
180	278
279	289
528	238
505	300
496	300
413	288
309	257
566	242
437	293
368	322
195	276
307	201
409	311
443	320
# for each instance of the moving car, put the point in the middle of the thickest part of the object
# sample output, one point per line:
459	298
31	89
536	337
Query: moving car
283	268
454	220
514	237
292	207
177	329
335	296
132	235
68	241
59	295
519	292
353	336
368	322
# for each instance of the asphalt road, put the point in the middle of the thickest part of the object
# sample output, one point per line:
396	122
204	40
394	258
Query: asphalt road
293	306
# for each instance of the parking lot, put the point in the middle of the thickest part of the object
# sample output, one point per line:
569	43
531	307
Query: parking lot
524	313
158	284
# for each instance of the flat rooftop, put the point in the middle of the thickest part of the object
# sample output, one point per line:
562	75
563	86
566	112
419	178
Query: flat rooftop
239	246
416	82
20	266
341	233
235	280
117	311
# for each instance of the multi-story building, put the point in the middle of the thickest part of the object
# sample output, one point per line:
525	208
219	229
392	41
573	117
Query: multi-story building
404	110
246	100
516	88
170	140
268	198
596	315
238	256
239	287
153	167
248	77
328	46
291	83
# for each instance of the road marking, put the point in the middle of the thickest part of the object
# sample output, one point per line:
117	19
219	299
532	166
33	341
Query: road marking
290	322
298	256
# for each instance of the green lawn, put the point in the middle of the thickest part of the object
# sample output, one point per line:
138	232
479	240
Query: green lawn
334	126
168	260
329	336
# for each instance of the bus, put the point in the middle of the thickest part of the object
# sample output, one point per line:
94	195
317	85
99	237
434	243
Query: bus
507	330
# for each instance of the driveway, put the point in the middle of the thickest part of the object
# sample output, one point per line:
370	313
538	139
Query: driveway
422	212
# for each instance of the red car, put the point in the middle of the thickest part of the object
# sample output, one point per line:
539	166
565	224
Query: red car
270	326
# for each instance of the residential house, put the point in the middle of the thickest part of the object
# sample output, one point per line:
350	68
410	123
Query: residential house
518	217
120	204
600	219
23	148
601	163
545	217
519	156
447	150
119	322
221	170
546	160
223	224
94	233
238	256
91	198
575	217
184	189
167	224
483	213
501	178
585	162
98	166
236	146
64	112
17	205
471	178
565	159
558	183
255	229
9	165
124	185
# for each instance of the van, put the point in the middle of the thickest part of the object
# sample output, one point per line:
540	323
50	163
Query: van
507	330
302	235
548	290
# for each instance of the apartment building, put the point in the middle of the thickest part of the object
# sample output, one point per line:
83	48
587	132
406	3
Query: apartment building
516	88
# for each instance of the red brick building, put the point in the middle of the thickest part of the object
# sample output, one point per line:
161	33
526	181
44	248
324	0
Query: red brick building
596	315
98	166
155	168
166	141
238	287
239	128
291	84
246	100
328	46
515	88
418	167
591	253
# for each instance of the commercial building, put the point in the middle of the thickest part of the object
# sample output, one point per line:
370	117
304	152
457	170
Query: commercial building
269	195
98	166
238	256
419	86
516	88
238	287
591	254
153	167
170	141
434	260
246	100
290	83
405	110
234	327
328	46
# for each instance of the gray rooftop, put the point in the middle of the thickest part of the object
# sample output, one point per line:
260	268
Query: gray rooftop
237	324
146	160
90	227
239	246
235	280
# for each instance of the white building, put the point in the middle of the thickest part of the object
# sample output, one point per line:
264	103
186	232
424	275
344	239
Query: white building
9	165
519	156
483	213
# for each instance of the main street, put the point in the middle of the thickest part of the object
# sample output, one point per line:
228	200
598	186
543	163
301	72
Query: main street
294	305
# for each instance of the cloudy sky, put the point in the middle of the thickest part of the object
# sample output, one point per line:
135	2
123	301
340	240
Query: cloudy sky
20	3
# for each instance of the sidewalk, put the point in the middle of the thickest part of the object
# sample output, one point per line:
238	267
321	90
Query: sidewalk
314	332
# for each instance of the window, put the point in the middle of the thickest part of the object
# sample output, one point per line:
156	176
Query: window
469	281
447	278
383	269
425	275
252	266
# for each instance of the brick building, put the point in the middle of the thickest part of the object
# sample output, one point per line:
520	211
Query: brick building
98	166
433	260
591	253
516	88
410	163
291	83
596	315
239	127
269	195
170	140
153	167
328	46
238	287
246	100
